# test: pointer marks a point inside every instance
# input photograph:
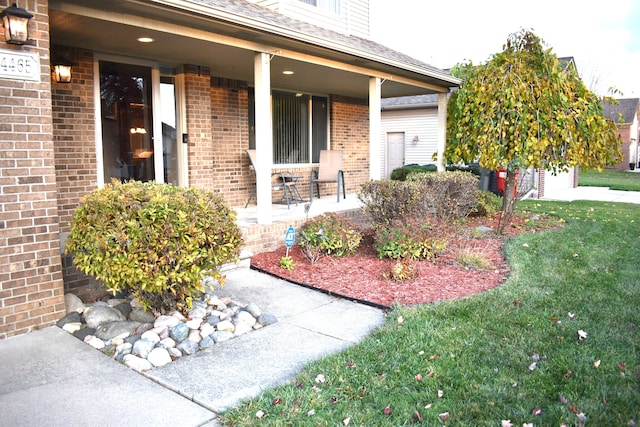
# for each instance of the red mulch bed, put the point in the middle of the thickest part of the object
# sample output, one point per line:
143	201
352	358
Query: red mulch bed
361	276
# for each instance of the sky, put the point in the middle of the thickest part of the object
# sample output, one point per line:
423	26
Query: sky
602	36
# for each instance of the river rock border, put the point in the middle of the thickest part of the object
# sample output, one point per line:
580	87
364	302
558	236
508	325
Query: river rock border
121	329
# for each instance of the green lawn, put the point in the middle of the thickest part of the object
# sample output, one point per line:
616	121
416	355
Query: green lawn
514	353
617	180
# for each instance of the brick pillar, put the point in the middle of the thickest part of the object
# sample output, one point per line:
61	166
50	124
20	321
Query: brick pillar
198	105
31	288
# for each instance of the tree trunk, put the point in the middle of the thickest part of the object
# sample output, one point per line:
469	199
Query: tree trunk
509	199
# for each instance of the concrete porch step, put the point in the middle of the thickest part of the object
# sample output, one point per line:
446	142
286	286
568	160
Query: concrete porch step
244	261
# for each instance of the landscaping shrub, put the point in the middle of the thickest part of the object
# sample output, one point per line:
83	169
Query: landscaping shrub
155	241
402	269
487	203
329	234
386	200
401	173
408	240
448	195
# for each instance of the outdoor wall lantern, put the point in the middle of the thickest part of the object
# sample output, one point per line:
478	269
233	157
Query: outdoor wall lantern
16	24
62	72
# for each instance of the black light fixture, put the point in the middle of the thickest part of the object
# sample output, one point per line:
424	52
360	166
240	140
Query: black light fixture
62	72
16	24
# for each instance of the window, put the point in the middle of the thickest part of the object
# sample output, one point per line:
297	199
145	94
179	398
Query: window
300	127
327	5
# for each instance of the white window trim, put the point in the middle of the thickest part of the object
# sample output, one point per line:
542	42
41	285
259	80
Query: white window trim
158	160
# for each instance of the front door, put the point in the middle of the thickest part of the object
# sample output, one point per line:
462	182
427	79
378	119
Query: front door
138	123
395	151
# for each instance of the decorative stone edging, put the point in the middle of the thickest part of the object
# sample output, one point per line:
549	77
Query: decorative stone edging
121	329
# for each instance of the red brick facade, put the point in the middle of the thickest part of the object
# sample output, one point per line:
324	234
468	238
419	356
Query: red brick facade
31	288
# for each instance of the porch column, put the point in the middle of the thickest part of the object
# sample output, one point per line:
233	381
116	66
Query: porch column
264	136
375	93
442	129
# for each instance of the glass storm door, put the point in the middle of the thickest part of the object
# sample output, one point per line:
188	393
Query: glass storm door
127	122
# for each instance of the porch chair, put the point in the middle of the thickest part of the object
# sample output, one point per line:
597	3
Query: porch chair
279	180
329	170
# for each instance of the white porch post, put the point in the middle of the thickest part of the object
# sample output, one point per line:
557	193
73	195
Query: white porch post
264	136
375	93
442	129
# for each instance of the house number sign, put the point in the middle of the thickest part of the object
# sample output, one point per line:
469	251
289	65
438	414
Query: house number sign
19	65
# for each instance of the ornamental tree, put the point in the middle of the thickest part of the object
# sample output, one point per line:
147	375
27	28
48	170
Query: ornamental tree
524	109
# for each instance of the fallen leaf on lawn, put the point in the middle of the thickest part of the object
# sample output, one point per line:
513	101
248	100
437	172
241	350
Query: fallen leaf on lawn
526	245
428	406
260	414
418	416
622	366
516	303
421	352
316	389
535	357
334	399
444	417
573	409
311	413
575	255
387	410
418	377
596	364
440	393
571	315
430	374
400	319
582	417
506	423
346	421
434	357
527	424
277	401
582	334
536	411
532	367
554	319
320	378
563	400
569	373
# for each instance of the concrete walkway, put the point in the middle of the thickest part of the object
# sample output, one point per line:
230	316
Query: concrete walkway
594	193
50	378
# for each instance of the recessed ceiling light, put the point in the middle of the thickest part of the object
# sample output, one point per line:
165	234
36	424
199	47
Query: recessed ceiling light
145	40
288	72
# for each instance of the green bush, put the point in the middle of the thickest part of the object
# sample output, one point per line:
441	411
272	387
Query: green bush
401	173
408	240
386	200
330	235
155	241
447	196
487	203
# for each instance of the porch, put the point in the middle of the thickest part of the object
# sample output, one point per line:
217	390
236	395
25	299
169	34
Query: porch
267	237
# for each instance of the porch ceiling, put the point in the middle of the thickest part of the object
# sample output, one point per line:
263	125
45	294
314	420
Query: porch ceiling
227	49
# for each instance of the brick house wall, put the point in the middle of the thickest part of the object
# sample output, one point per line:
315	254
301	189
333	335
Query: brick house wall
31	287
198	114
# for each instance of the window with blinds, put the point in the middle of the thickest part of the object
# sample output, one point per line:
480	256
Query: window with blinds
300	127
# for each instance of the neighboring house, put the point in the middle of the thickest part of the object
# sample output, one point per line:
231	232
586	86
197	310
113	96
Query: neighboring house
624	112
177	91
409	131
